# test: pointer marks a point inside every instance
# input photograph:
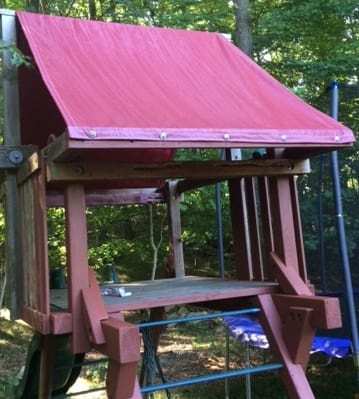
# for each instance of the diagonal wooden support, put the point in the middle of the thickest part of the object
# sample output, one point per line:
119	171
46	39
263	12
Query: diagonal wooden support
293	375
288	278
119	340
94	309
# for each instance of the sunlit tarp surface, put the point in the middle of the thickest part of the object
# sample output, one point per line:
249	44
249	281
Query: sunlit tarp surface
126	82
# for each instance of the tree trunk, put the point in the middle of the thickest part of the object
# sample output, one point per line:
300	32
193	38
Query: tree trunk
92	9
243	35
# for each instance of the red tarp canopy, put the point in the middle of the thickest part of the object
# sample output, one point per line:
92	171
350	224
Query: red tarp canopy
124	82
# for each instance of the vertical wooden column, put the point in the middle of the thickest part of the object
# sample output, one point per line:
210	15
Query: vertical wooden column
285	239
298	230
253	228
11	137
174	215
77	262
266	219
239	219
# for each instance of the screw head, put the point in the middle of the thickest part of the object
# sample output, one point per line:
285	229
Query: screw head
163	135
16	157
91	134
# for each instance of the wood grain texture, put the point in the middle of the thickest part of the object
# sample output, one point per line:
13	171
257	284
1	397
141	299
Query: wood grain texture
107	171
293	375
174	219
239	219
253	229
167	292
77	262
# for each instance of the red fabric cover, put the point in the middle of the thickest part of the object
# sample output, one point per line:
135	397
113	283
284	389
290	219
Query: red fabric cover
127	82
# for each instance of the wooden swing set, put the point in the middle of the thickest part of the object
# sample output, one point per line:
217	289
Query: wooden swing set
96	120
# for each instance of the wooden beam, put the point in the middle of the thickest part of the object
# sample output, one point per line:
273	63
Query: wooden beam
77	263
266	224
285	238
253	229
174	216
293	375
66	149
107	171
128	196
11	137
241	245
326	310
302	266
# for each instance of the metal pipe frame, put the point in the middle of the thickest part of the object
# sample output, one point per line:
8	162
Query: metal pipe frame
343	248
266	368
211	316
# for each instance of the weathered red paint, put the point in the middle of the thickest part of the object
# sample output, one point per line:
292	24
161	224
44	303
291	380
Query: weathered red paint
288	278
293	375
77	261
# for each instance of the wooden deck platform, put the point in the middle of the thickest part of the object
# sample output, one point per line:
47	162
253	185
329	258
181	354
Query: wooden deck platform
180	291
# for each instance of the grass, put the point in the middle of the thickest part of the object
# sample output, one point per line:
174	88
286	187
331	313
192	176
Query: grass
185	351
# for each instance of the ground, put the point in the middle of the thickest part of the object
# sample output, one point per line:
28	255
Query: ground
186	351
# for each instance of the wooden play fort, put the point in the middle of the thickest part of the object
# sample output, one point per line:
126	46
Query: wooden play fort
93	117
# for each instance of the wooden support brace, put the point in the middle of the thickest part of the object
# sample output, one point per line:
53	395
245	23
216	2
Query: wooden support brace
326	313
95	311
289	280
293	375
299	333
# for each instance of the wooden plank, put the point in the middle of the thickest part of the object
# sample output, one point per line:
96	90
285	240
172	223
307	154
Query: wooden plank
107	171
293	375
41	240
326	310
77	262
253	228
168	292
283	222
266	224
11	137
302	266
241	245
65	149
174	216
110	197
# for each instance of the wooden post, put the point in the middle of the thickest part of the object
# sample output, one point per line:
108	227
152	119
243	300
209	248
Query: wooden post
298	230
174	213
267	229
285	239
11	137
253	228
242	253
77	263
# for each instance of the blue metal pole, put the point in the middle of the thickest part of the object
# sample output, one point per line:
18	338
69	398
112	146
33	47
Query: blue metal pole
214	377
343	248
189	319
323	274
